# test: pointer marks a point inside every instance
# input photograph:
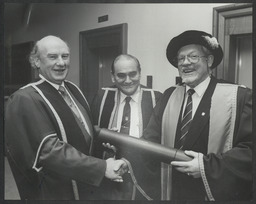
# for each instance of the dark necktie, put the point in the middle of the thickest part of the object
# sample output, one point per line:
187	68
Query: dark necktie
187	119
125	125
72	106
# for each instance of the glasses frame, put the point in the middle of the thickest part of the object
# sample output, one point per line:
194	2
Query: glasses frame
131	75
189	59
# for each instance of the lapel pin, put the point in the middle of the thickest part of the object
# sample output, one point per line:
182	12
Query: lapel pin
203	113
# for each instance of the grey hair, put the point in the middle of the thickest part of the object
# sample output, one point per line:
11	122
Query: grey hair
206	50
33	56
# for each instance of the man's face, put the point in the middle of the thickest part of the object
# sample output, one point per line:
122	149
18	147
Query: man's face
53	59
195	71
126	76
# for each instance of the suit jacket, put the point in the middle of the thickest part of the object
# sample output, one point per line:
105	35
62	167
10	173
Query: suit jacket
223	135
44	143
147	174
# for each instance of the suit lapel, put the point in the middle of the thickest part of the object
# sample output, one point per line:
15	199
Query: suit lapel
201	117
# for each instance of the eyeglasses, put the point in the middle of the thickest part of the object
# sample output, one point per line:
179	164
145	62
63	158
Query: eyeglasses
124	75
191	58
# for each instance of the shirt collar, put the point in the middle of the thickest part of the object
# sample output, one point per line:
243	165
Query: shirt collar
56	86
201	88
135	96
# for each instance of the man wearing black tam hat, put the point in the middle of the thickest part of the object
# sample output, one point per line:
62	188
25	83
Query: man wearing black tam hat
210	119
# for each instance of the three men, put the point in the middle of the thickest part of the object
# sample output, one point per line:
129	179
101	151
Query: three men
49	135
109	109
48	132
208	118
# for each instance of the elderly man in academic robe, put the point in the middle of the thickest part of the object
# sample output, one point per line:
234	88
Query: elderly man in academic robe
210	119
49	135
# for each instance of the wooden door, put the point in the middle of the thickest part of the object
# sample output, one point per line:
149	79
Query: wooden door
98	48
232	25
243	68
106	57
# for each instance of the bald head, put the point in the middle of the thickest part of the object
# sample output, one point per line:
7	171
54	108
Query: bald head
51	56
126	73
43	44
51	41
125	57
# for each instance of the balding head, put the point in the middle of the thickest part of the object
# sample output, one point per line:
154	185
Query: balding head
125	57
126	73
51	56
42	44
51	41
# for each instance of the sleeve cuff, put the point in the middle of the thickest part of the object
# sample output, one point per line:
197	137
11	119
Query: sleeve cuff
35	164
204	179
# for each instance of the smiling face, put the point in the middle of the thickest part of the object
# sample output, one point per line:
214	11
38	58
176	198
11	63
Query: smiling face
53	60
191	73
126	75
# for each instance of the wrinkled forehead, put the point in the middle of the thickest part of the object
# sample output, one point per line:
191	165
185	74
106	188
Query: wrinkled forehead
52	44
124	64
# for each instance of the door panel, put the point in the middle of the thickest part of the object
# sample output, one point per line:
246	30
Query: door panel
106	57
232	25
98	48
244	61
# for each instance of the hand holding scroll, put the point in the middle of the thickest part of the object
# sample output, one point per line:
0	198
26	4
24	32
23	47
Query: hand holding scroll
191	168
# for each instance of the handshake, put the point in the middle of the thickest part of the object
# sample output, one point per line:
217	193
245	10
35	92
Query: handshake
115	169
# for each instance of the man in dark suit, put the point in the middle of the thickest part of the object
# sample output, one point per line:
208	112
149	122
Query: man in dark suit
211	120
49	135
109	111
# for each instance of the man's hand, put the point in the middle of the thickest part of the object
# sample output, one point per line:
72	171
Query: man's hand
110	151
111	147
115	169
191	168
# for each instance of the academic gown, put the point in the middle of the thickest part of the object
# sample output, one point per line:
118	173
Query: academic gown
147	173
48	152
226	166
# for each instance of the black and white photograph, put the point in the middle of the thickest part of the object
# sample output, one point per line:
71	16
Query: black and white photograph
127	101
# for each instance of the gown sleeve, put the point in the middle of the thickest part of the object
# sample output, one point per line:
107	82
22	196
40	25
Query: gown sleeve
34	145
230	174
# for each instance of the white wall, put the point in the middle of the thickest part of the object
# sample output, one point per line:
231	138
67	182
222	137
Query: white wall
150	28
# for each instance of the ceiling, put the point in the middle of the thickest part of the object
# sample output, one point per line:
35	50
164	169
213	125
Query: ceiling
14	12
14	15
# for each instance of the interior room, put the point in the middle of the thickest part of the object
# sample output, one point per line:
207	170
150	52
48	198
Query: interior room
96	33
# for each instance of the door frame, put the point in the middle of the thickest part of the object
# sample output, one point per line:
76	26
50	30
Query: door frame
115	35
220	17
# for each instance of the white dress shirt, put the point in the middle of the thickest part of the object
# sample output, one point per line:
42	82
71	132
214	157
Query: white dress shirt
198	95
134	120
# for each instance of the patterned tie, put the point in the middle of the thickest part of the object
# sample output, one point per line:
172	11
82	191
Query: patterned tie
187	119
125	126
72	106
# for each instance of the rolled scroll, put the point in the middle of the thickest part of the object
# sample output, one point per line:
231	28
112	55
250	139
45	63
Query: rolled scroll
131	144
